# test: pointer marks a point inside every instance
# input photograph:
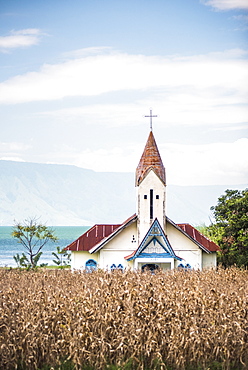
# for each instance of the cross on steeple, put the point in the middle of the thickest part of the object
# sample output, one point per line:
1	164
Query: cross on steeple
151	116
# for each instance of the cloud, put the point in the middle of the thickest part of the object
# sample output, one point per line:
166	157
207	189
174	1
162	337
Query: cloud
12	151
19	39
93	50
14	159
98	74
207	164
188	108
241	17
109	114
227	4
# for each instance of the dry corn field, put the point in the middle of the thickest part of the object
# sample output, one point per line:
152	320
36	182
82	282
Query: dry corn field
175	320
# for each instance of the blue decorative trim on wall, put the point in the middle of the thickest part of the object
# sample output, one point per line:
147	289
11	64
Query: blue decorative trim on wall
154	255
152	236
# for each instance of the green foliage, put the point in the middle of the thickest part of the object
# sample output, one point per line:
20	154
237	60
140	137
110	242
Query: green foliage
33	236
230	230
62	257
21	261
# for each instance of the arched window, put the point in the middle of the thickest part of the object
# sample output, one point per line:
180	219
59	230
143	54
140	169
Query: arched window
184	267
90	265
114	267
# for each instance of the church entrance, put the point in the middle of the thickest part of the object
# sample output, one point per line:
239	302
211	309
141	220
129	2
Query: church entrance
152	267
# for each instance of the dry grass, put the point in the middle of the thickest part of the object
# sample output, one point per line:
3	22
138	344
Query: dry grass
177	320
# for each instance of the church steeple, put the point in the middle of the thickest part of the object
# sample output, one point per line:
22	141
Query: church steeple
151	186
150	159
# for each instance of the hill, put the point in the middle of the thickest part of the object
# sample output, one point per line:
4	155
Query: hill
68	195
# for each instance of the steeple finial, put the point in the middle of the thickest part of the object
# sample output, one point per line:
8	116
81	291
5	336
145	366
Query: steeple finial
151	116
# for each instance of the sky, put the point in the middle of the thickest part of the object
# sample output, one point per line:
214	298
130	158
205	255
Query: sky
77	79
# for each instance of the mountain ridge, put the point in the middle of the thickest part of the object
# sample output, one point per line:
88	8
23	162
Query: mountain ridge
66	195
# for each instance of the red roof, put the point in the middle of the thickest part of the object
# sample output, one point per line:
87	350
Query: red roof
126	223
98	233
91	237
150	159
196	235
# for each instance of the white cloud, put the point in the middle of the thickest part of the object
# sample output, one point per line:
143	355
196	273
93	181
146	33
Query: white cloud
19	39
241	17
110	115
191	108
12	151
85	52
227	4
14	159
208	164
98	74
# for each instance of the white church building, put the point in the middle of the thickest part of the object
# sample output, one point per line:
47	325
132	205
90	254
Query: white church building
147	239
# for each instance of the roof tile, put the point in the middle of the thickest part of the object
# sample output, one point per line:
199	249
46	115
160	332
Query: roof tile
150	159
91	237
200	238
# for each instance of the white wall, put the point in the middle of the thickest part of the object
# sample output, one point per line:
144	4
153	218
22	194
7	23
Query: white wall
78	259
209	260
113	252
119	247
151	181
184	247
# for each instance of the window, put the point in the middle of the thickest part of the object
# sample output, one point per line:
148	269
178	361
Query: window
157	196
181	266
151	204
145	196
119	267
90	265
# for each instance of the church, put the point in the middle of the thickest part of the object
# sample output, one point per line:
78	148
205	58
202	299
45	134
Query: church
148	240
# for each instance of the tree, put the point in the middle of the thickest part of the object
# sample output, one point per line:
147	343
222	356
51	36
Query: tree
230	230
33	236
62	257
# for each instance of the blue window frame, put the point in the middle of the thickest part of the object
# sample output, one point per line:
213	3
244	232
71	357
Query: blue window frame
186	267
114	267
91	265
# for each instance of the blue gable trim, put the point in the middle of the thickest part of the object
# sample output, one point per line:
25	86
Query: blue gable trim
154	255
152	237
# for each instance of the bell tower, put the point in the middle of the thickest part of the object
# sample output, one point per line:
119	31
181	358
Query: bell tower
151	185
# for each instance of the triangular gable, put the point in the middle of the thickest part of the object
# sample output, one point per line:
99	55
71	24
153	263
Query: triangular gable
161	246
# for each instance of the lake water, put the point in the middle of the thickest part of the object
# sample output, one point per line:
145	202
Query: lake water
9	246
